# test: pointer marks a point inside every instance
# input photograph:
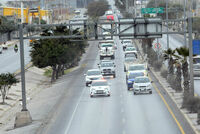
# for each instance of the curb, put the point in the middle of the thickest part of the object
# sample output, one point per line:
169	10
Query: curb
185	115
170	95
26	67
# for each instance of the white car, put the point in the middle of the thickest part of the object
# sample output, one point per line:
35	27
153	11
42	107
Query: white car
142	84
93	74
4	46
131	50
99	87
137	67
125	43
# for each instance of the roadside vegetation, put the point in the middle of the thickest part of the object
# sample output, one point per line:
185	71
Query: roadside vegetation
6	81
58	54
97	8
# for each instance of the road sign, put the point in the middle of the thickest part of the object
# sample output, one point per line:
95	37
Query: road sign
196	47
33	10
157	45
152	10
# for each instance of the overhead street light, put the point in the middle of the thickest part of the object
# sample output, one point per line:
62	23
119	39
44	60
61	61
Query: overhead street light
23	117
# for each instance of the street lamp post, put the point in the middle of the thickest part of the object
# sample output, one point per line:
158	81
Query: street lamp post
167	24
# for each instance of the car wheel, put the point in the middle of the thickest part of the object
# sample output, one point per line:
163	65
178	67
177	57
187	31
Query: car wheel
150	92
134	93
86	84
91	96
124	69
108	95
114	76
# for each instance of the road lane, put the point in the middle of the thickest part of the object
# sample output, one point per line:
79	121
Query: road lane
10	61
121	113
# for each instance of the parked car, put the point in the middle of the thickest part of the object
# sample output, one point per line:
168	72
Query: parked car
142	84
93	74
131	78
99	87
107	68
196	68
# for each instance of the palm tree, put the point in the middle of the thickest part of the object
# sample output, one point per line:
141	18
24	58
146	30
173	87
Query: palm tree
178	79
168	55
184	54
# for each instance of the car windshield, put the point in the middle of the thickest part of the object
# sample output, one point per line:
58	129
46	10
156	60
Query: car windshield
136	67
130	55
100	83
197	66
106	45
142	80
134	75
107	64
130	49
127	41
93	73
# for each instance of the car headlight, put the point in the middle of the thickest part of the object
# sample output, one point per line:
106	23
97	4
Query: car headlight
136	86
130	81
149	86
93	90
87	79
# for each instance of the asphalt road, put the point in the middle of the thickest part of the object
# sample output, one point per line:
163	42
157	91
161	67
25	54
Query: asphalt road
10	61
121	113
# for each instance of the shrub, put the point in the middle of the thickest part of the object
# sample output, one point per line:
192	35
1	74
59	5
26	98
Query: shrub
171	80
157	65
164	72
191	103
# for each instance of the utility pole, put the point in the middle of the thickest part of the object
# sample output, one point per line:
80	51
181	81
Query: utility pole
167	24
191	54
184	24
22	12
126	5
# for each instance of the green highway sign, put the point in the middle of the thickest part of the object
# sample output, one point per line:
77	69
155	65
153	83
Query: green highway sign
152	10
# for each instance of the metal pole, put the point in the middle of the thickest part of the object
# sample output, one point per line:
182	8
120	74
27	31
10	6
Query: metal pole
167	24
22	68
135	8
184	24
22	12
191	54
126	5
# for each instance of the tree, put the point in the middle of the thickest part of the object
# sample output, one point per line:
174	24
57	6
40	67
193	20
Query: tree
57	53
97	8
184	54
7	26
168	55
6	81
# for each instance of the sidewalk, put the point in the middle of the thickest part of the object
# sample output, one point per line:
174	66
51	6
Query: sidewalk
176	97
35	82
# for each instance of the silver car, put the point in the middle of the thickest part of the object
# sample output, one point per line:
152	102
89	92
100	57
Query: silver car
142	84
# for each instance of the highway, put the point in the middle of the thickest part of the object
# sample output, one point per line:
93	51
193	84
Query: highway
10	61
121	113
